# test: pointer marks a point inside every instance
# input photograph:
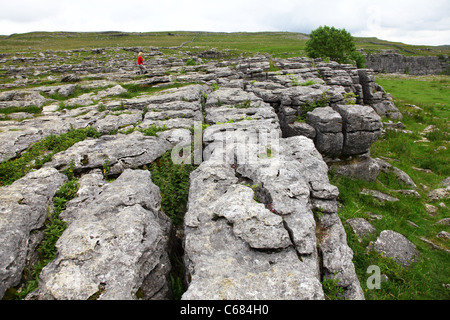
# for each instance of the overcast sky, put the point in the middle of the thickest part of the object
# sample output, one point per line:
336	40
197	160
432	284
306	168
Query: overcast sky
407	21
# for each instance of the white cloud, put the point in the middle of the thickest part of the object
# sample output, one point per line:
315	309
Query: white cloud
409	21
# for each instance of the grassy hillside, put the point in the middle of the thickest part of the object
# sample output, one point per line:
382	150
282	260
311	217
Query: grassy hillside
43	41
427	163
276	43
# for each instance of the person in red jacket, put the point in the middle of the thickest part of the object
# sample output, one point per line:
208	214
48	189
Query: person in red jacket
141	64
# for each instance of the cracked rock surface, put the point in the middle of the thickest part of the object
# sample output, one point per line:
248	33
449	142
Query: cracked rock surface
116	246
261	221
23	210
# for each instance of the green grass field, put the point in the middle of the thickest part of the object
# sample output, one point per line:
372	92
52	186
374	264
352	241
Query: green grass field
425	278
421	90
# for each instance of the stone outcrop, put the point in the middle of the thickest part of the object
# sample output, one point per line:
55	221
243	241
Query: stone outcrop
118	152
390	61
24	207
262	217
396	246
374	95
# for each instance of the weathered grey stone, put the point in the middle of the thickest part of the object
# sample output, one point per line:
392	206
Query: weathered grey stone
220	264
392	125
430	209
401	175
110	92
119	120
396	246
361	227
50	108
70	78
445	221
66	90
117	152
234	100
85	99
269	91
358	168
227	113
446	182
323	190
253	223
325	120
359	142
443	234
412	193
337	256
300	95
378	195
241	242
361	127
439	193
90	187
367	81
20	115
192	93
301	129
359	118
180	137
220	213
118	240
231	97
337	77
23	208
16	137
387	109
390	61
15	140
329	143
21	98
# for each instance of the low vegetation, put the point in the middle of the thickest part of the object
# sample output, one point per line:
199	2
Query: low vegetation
41	152
426	278
278	44
311	105
173	181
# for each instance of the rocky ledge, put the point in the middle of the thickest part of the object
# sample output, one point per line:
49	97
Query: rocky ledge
261	220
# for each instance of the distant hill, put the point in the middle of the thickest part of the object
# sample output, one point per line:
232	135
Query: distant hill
276	43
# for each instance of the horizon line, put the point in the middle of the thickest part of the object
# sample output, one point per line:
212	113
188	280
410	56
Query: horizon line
202	31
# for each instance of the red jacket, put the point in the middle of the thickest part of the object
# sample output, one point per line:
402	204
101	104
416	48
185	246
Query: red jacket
140	60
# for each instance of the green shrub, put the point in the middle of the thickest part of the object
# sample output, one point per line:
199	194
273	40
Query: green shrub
308	83
152	130
191	62
336	44
331	289
173	181
350	98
